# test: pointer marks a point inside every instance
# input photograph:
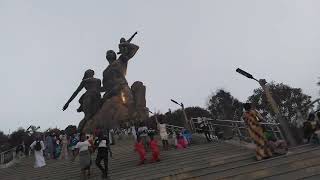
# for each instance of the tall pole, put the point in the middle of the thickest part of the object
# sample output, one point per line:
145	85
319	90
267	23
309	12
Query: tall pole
186	123
283	123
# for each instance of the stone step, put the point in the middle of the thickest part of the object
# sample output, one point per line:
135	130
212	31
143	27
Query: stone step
237	170
174	164
58	163
199	161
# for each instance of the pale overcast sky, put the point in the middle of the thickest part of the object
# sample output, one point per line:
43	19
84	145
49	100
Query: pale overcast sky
188	49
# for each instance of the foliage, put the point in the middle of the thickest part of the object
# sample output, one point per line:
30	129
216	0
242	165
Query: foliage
4	144
71	129
177	117
289	100
18	136
222	105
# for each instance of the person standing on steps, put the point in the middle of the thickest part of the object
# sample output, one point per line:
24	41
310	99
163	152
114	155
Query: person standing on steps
73	142
38	146
155	149
64	147
139	147
103	145
162	127
134	132
143	134
83	149
252	119
205	129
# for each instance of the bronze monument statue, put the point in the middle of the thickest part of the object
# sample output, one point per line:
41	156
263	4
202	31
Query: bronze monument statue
90	101
120	104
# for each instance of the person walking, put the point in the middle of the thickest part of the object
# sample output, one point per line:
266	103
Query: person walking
84	149
103	145
38	146
205	129
139	147
143	134
155	150
162	127
64	147
252	119
73	142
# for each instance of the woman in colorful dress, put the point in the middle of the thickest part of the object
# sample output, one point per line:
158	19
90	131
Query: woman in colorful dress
252	119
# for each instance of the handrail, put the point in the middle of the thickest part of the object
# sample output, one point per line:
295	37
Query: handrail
232	121
238	126
8	150
7	156
169	125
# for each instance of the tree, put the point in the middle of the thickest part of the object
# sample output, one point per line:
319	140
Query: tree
176	118
18	136
292	105
289	100
4	145
222	105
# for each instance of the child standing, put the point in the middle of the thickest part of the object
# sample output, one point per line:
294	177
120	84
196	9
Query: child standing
139	147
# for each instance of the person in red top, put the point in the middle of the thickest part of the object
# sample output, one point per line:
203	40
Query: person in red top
155	150
139	147
182	143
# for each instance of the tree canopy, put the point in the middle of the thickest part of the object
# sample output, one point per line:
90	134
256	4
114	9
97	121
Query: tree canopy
222	105
289	100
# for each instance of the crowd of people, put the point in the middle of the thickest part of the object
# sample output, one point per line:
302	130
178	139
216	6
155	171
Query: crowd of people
64	147
52	146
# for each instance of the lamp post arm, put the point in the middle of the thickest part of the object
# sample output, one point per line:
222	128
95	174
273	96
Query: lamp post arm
284	123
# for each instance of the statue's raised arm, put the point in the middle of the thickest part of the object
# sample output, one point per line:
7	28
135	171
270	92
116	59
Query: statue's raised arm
127	51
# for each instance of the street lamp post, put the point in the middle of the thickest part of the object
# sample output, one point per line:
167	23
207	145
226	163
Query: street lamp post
283	123
155	116
186	124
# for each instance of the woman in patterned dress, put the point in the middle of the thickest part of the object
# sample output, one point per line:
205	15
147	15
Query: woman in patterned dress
252	119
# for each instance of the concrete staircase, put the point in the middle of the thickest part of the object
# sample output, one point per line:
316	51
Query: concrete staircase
200	161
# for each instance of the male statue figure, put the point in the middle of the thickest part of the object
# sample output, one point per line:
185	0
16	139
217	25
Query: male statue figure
117	100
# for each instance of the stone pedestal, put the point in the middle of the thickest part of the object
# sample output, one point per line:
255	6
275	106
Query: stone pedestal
127	107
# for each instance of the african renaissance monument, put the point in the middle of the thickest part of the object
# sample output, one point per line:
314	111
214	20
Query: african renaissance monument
120	104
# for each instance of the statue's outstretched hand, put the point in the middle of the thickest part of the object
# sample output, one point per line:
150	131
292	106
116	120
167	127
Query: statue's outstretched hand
65	106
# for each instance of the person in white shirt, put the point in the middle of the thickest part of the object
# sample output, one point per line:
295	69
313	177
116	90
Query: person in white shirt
64	148
103	149
162	127
84	150
143	134
134	132
38	147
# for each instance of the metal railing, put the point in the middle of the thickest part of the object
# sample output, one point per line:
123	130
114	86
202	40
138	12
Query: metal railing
238	128
7	156
173	128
